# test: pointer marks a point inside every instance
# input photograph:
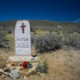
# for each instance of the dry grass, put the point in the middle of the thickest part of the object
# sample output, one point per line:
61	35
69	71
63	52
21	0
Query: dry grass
3	57
62	65
41	32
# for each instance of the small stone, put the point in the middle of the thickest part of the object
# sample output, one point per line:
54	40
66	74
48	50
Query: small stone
3	76
19	68
8	65
1	71
15	74
32	70
25	78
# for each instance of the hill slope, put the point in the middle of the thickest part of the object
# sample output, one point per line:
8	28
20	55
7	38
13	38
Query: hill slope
37	24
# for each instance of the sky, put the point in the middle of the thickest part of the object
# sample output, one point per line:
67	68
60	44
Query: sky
53	10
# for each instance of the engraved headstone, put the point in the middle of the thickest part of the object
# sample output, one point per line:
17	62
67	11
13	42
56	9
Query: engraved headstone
22	38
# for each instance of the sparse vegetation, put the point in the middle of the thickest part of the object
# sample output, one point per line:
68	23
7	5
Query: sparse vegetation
72	40
4	43
55	40
47	36
48	42
43	68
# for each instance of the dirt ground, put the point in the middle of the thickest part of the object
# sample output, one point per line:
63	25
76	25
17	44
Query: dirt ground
62	65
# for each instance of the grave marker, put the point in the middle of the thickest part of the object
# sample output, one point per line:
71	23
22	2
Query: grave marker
22	38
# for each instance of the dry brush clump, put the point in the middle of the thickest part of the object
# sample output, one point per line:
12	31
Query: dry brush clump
48	42
72	40
4	43
55	41
3	58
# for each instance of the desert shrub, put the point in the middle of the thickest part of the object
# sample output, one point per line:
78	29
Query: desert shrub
43	68
33	39
72	40
55	40
48	42
9	31
4	43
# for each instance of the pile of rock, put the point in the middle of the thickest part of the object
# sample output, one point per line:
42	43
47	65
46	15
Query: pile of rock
16	68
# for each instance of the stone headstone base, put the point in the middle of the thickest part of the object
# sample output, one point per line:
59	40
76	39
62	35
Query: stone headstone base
15	68
22	58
